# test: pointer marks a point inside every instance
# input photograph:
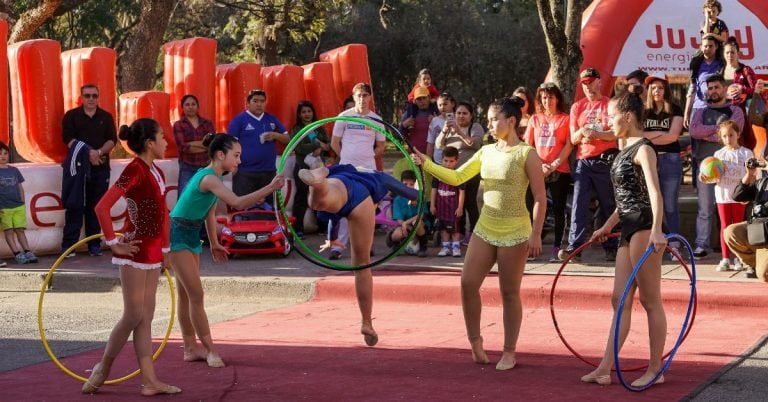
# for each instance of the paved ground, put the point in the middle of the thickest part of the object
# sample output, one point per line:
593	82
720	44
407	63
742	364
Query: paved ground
84	302
248	285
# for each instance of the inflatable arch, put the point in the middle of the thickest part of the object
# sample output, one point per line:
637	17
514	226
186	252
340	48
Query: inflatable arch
661	36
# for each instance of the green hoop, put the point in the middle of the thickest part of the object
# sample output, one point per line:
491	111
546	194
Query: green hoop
282	214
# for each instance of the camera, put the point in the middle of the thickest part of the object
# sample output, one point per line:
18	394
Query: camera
760	211
755	164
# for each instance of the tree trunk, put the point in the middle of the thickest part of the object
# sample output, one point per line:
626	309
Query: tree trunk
562	33
139	63
265	47
266	41
32	19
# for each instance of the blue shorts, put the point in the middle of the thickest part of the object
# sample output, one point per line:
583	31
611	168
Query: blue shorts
360	185
185	235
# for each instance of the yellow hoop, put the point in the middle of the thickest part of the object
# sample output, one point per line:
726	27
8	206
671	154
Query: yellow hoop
42	330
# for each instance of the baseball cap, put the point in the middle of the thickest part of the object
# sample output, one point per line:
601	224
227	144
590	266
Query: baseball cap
588	75
652	78
420	92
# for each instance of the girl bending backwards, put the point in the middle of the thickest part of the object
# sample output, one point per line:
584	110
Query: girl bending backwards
639	208
195	206
348	193
504	234
139	253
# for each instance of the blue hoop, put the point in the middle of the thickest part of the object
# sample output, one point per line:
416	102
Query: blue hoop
617	325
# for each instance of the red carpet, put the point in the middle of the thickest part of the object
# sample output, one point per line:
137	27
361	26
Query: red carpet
313	350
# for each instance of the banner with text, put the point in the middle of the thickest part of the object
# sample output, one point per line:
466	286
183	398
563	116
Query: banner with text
667	36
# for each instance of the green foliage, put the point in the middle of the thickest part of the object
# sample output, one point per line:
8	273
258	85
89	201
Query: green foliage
269	31
203	18
93	23
474	54
20	6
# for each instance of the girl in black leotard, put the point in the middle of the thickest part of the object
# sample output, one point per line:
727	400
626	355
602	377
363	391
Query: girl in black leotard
639	208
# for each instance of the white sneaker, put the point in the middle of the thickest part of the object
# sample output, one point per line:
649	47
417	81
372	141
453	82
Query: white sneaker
456	252
724	265
699	253
444	252
672	255
737	266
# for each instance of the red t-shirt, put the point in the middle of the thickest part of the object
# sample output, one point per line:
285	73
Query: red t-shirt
594	114
549	136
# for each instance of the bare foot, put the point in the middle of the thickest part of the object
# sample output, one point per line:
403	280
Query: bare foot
314	176
507	361
478	354
369	334
96	379
214	360
158	389
195	355
597	378
647	378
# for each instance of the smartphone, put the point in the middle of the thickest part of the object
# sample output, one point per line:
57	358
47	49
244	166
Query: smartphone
449	117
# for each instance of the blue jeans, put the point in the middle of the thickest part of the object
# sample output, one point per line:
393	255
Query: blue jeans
706	196
704	215
669	167
186	171
590	177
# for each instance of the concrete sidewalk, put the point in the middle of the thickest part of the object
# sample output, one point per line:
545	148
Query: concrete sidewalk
274	274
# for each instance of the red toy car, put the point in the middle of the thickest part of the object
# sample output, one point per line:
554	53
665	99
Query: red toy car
254	232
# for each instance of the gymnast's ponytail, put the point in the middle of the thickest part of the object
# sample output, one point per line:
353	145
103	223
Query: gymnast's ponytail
218	142
631	101
138	133
510	107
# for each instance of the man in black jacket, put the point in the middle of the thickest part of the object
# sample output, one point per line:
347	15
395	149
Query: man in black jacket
750	189
96	128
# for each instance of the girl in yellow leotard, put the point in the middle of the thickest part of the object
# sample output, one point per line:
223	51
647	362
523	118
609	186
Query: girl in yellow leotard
504	234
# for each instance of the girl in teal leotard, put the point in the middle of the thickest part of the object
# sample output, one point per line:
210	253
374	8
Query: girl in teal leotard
195	206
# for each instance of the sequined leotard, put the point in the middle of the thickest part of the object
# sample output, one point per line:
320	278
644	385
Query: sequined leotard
504	219
143	187
633	203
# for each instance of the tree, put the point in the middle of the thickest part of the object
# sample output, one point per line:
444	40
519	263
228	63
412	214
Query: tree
265	28
562	32
86	23
134	28
143	45
474	54
30	20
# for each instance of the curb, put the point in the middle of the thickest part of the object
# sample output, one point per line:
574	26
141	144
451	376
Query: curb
570	291
576	292
297	289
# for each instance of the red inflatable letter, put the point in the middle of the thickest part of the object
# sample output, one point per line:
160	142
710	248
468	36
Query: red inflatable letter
190	68
233	81
152	104
35	67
